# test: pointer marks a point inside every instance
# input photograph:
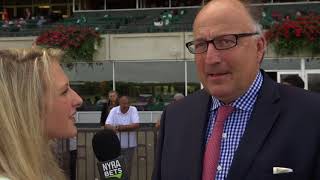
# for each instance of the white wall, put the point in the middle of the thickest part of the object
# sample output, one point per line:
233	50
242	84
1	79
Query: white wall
16	42
147	46
136	46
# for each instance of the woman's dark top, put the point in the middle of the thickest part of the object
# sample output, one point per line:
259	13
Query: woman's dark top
105	111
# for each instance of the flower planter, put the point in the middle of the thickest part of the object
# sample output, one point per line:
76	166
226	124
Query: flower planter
298	37
79	43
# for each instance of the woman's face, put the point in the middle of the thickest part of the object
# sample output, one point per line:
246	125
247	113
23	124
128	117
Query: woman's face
61	107
113	96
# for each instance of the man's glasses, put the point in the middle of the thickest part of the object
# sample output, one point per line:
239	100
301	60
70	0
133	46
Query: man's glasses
220	43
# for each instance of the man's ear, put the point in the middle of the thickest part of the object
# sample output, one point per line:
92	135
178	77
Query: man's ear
261	48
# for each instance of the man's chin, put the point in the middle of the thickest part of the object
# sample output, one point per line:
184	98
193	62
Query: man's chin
214	90
218	93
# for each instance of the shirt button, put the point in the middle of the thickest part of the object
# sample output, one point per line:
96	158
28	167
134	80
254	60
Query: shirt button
219	168
224	135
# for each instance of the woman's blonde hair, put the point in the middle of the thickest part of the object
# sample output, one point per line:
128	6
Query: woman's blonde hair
24	146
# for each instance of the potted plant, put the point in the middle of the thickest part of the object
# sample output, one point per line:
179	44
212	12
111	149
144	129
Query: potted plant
79	43
296	36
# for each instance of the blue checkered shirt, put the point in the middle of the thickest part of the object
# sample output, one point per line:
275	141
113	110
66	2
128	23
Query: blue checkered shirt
234	126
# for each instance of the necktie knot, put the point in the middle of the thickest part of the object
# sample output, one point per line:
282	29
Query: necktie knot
223	112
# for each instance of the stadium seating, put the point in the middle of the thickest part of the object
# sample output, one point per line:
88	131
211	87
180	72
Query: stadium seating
149	21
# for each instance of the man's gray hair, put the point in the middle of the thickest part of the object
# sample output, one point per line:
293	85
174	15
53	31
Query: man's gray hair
178	96
259	29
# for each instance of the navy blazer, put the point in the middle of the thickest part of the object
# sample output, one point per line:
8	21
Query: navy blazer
283	131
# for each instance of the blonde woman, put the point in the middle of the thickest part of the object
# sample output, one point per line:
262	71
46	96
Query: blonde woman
37	104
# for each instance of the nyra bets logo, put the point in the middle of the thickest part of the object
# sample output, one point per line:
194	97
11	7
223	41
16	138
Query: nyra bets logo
112	169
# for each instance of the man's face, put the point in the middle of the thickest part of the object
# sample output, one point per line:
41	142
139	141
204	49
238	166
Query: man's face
124	104
227	74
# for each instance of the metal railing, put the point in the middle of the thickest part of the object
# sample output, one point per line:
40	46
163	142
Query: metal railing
143	159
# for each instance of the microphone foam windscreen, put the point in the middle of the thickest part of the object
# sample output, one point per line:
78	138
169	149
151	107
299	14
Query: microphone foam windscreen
106	145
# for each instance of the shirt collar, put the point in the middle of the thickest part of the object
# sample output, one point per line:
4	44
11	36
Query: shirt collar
246	101
119	110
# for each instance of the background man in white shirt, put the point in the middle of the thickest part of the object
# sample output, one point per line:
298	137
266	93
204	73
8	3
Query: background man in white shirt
124	120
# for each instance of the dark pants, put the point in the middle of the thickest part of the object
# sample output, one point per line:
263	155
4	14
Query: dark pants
73	164
127	154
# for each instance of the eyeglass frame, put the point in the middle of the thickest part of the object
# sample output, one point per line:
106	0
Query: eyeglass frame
237	36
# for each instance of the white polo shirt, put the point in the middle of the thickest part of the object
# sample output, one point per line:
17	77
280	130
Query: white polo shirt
73	143
116	117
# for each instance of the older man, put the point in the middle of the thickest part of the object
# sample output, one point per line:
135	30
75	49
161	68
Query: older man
242	125
124	119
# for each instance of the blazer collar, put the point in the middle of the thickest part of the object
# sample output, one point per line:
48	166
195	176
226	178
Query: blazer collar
201	115
264	115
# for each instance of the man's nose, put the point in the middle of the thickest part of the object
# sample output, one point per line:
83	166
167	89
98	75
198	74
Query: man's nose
213	55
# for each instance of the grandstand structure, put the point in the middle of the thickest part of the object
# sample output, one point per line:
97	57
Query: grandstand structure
143	55
143	52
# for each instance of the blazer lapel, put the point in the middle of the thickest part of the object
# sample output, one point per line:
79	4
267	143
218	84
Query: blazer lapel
201	116
263	117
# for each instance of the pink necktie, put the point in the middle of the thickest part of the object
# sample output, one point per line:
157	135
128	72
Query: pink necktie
212	151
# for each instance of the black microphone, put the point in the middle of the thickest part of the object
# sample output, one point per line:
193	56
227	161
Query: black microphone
106	147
